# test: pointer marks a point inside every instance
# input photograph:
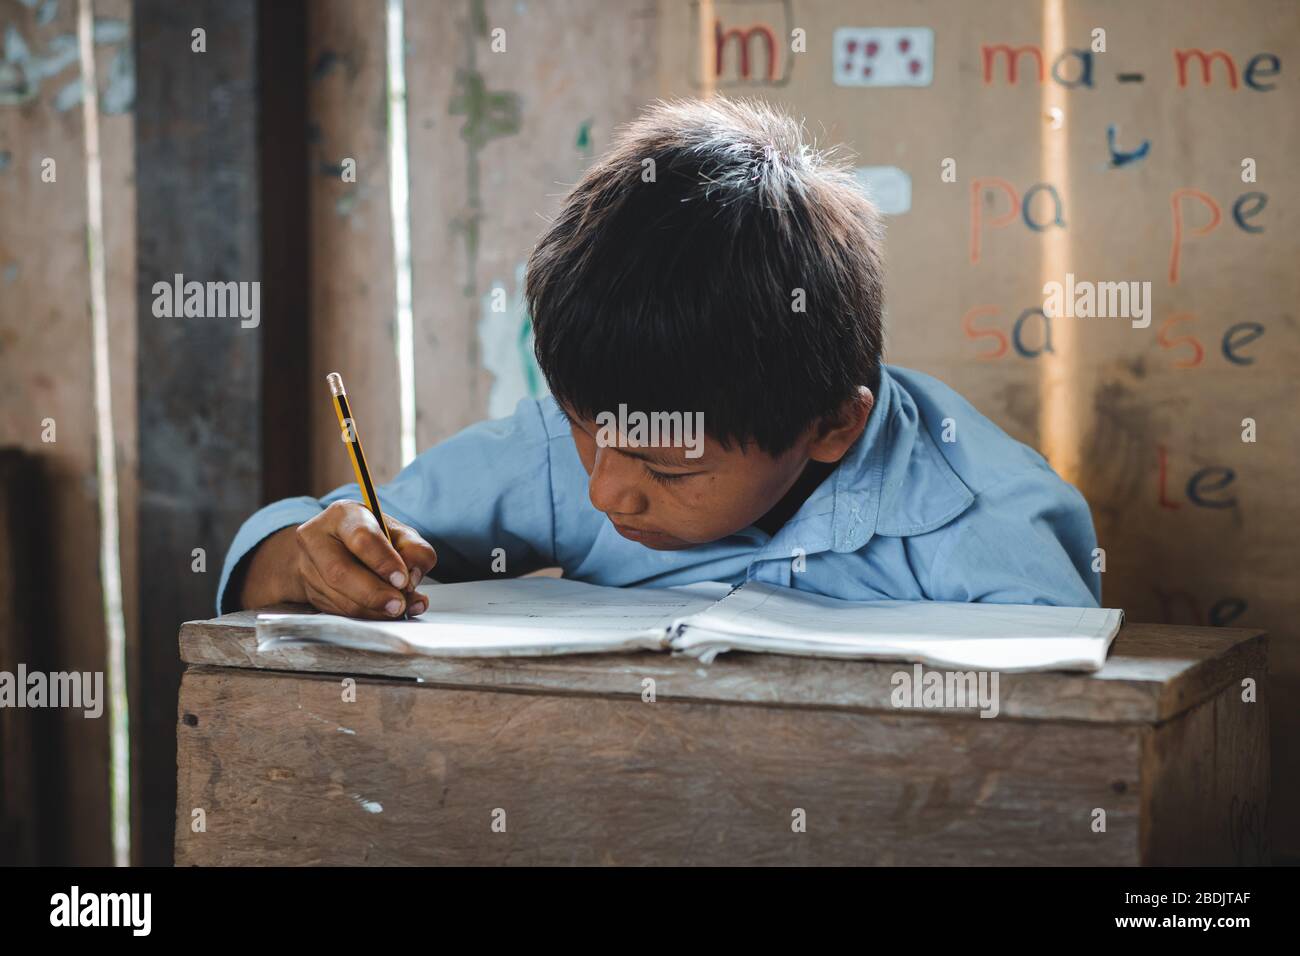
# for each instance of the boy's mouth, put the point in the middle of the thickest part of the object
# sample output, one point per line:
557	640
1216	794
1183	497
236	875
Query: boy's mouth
636	534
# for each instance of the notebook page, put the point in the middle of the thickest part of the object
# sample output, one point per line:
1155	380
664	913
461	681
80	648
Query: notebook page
506	617
1003	637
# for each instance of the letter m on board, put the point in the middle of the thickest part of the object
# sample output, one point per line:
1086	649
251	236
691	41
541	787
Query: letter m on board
749	42
743	38
1011	55
1206	59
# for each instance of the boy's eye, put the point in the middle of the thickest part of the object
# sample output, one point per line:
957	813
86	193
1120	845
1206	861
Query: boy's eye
665	478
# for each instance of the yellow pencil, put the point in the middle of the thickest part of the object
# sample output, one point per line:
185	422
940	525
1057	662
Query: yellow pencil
352	439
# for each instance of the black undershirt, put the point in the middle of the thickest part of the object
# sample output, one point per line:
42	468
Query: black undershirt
814	473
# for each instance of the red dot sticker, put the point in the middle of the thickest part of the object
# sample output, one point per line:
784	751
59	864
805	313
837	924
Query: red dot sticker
914	67
866	71
904	45
851	46
873	48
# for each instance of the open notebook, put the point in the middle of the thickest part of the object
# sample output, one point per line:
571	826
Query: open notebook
532	617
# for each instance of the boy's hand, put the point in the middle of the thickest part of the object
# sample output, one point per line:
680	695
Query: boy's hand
348	567
341	562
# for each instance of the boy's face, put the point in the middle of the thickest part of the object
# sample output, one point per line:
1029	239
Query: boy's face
663	499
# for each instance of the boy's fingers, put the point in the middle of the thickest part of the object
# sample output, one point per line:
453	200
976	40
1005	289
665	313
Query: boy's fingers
329	603
415	551
318	595
353	586
361	535
416	603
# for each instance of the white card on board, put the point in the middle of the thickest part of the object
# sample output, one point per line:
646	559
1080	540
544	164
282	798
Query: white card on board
884	56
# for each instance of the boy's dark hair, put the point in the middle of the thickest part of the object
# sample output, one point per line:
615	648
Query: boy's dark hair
669	281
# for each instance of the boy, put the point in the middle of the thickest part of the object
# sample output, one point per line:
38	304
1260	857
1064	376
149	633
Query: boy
710	268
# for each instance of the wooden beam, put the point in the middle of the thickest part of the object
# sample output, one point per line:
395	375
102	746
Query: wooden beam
287	392
353	292
24	575
204	178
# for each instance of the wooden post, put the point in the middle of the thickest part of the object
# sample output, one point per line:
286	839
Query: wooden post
216	205
24	573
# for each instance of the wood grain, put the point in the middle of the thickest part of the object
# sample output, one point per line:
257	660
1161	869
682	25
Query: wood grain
199	404
351	252
1206	780
288	773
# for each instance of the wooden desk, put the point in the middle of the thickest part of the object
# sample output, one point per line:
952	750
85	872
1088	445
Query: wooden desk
416	769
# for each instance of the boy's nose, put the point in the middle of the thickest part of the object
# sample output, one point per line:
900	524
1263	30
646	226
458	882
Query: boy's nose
612	486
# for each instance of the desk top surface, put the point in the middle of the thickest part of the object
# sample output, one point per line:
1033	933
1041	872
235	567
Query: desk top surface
1153	673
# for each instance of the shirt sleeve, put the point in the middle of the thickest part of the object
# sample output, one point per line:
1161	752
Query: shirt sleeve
486	488
1030	541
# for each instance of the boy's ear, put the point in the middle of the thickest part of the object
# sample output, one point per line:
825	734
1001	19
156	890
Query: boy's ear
833	436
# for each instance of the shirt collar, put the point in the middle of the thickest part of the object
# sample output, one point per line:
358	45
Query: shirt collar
892	481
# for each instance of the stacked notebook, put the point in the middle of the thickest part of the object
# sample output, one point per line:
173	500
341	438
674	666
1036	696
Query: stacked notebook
531	617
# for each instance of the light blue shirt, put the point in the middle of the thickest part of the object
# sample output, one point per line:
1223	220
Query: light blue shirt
905	515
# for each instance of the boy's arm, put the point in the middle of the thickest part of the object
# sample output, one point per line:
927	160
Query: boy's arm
486	488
